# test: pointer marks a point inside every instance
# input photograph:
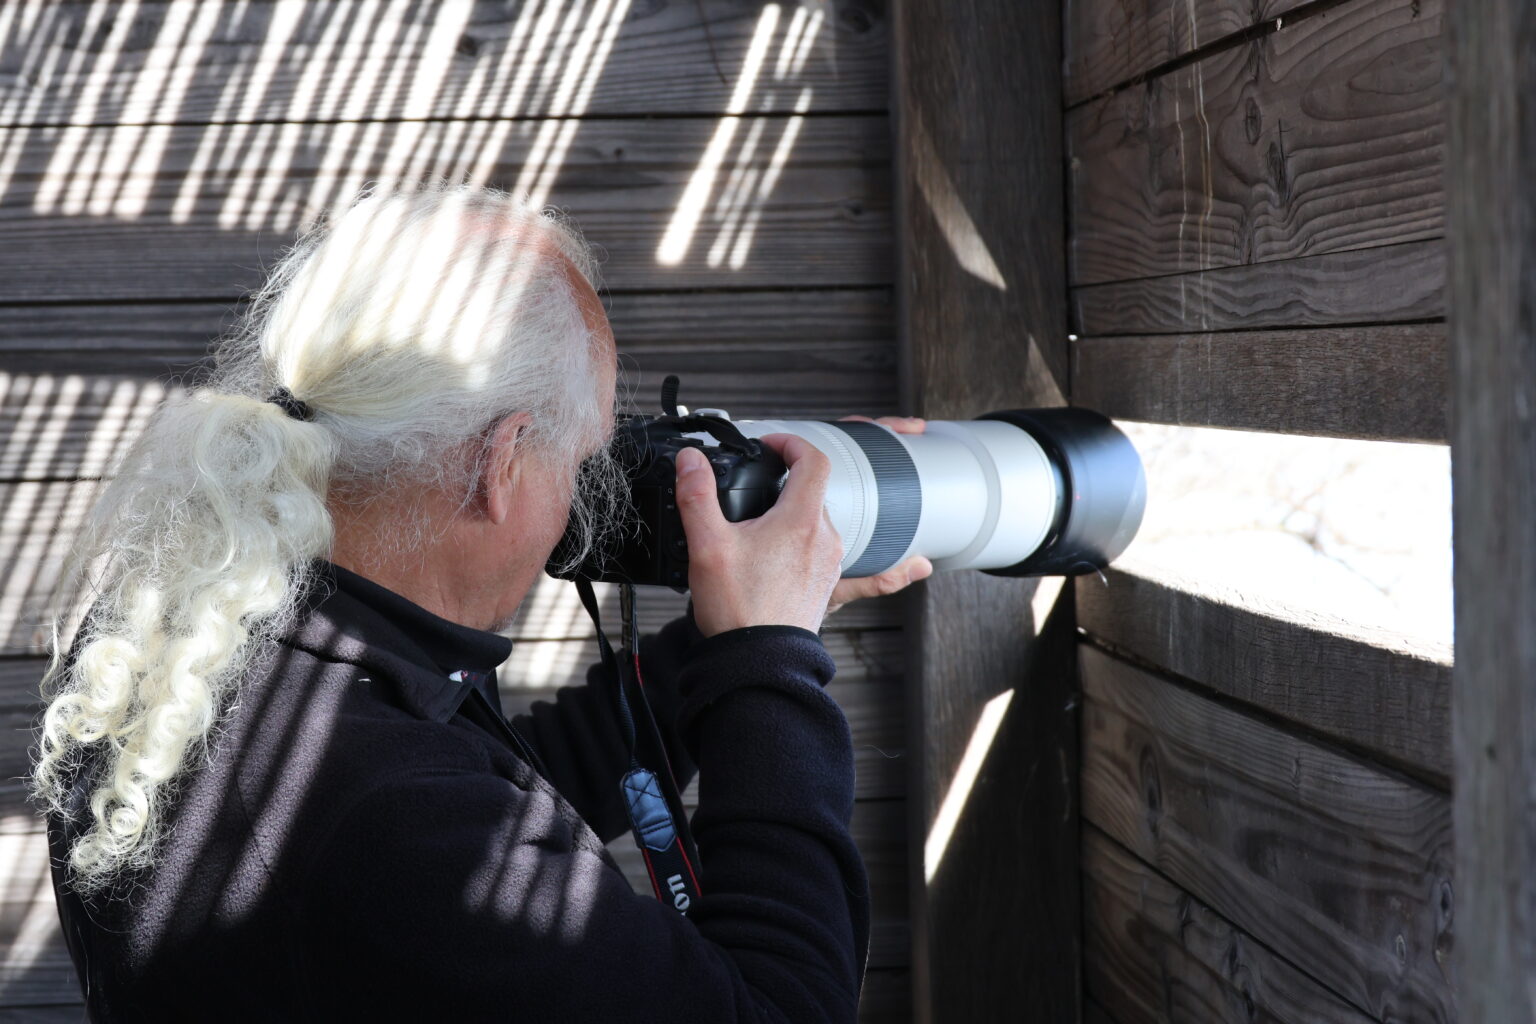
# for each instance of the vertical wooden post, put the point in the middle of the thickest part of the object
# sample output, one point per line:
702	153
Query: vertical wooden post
983	302
1491	200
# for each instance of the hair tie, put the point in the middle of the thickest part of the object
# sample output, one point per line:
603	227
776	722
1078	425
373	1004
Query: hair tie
284	400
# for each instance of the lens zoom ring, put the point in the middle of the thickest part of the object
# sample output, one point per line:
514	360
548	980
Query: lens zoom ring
900	495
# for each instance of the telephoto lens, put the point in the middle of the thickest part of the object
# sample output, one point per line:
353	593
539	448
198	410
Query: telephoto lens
1025	492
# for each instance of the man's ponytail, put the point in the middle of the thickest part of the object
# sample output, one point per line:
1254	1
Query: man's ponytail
200	546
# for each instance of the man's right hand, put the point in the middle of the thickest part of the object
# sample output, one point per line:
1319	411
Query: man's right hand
776	570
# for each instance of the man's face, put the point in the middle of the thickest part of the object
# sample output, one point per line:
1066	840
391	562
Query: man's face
547	484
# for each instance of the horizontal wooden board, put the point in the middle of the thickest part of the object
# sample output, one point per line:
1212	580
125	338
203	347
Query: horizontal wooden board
1109	43
78	382
205	62
39	524
1381	694
755	202
35	968
1385	383
1363	286
1338	866
63	1013
1323	137
1153	953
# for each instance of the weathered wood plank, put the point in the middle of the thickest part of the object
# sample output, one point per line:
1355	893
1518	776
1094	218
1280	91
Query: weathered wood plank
217	62
1381	694
1338	866
979	168
820	331
1323	137
1386	383
1153	953
1362	286
74	200
39	523
1491	162
77	424
1109	43
78	381
65	1013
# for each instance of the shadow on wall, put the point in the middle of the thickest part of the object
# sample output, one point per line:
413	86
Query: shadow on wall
729	157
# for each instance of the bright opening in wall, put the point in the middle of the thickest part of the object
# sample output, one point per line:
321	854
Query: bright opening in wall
1357	531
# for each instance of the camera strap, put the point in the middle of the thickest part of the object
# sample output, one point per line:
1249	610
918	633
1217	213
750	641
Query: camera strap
651	796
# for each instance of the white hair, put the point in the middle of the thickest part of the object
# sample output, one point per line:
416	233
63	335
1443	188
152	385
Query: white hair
410	326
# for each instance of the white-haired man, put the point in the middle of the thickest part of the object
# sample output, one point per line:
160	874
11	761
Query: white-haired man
279	783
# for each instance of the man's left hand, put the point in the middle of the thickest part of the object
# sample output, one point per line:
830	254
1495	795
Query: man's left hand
902	573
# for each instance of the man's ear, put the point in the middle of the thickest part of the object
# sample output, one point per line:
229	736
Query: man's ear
503	466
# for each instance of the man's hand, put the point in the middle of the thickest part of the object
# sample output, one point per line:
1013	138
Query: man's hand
901	574
777	569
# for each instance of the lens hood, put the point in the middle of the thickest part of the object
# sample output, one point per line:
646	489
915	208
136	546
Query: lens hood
1103	490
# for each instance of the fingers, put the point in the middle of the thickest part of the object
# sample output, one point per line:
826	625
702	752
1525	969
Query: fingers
898	424
896	578
806	487
697	500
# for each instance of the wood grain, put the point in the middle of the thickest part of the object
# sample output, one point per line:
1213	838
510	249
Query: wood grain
209	62
1491	162
825	332
205	230
39	524
1384	383
79	381
1153	953
977	107
1363	286
1376	693
1336	865
1323	137
1108	44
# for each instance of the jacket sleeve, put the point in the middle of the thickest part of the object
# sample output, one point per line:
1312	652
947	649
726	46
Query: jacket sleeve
457	896
577	735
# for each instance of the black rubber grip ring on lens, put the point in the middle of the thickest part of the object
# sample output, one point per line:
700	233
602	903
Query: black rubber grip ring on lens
898	490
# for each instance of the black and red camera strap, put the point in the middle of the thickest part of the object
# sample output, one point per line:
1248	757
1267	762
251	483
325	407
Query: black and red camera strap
650	790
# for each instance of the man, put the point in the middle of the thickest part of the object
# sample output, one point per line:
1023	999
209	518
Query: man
278	781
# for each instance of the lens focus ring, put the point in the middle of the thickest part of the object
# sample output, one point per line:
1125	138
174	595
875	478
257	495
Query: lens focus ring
899	493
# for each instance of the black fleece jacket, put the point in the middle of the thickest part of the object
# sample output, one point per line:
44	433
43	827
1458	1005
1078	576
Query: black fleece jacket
368	840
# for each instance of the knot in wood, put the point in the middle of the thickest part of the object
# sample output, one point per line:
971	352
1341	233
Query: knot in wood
856	19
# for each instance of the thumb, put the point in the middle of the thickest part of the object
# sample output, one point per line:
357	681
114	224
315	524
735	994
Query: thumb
697	501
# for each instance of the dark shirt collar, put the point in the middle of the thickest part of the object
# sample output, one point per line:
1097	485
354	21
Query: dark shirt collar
451	647
352	619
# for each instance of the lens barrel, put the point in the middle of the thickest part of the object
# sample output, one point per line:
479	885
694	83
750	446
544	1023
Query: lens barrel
1021	492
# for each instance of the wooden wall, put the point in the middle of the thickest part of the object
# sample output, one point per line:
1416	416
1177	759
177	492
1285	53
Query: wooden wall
730	157
992	716
1256	220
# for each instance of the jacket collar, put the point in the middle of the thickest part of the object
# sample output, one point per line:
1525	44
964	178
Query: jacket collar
349	618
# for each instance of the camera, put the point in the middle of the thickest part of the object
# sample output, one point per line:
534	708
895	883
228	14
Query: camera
1022	492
